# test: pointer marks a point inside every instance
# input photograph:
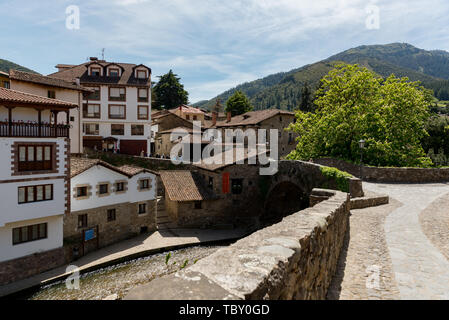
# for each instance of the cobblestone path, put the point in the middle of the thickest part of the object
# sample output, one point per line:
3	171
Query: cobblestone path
409	251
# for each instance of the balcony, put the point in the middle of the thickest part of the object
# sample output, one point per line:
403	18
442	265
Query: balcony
33	130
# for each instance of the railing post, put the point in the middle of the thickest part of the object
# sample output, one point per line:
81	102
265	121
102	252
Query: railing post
39	120
9	121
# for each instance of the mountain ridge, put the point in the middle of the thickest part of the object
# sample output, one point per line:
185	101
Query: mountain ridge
283	90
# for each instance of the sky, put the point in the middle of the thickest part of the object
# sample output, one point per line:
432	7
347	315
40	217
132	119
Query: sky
213	45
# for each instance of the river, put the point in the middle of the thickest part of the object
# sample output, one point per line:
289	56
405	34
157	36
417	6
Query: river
117	280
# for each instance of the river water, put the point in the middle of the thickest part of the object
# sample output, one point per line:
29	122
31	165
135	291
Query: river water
119	279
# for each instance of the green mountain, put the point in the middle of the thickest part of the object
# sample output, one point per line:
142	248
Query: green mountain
283	90
6	65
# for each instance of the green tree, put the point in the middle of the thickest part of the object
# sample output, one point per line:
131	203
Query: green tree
306	102
238	103
353	104
169	92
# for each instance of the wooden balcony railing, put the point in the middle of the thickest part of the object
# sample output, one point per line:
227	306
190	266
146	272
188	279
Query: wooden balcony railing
33	130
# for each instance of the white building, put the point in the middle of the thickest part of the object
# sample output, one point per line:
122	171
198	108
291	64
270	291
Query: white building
114	203
34	184
117	115
57	89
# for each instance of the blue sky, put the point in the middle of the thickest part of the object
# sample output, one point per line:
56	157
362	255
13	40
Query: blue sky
212	45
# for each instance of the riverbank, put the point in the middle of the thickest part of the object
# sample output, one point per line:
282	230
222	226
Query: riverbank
141	246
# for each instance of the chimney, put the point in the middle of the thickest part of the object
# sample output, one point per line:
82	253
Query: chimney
93	58
214	118
228	116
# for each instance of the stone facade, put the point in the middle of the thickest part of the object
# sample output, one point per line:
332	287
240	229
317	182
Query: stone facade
294	259
127	224
24	267
389	175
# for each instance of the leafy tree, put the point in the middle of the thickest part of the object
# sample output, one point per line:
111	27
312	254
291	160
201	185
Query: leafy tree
169	92
353	104
238	103
306	102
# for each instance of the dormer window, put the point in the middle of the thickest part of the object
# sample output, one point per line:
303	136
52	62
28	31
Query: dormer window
114	72
142	74
95	71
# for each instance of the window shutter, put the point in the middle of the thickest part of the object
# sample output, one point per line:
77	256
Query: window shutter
226	178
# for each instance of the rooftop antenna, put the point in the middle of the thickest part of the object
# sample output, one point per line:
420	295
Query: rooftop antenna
102	54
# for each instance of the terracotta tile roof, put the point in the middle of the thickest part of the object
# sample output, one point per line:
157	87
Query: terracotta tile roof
13	96
177	130
39	79
188	109
80	71
185	186
253	118
219	161
132	170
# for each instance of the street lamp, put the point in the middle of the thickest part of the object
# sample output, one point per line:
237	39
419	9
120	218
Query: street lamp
362	146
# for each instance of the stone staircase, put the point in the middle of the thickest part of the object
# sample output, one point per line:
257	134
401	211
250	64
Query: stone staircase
163	221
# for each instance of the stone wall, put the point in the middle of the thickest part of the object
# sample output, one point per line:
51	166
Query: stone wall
294	259
389	175
24	267
128	223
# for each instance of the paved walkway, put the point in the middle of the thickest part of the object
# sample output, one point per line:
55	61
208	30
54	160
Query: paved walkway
165	240
420	269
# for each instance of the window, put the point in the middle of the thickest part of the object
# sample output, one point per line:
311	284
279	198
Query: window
81	192
117	129
35	158
113	72
290	138
236	186
141	74
137	130
142	208
95	71
117	111
35	193
142	113
144	184
6	84
211	183
29	233
195	118
91	111
142	95
51	94
82	221
187	117
103	189
119	187
92	129
198	205
117	94
96	95
111	215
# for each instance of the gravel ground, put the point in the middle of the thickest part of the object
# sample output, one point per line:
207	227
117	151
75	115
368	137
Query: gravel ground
435	224
364	255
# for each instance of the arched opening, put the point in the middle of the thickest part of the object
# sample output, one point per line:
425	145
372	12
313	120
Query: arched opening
284	199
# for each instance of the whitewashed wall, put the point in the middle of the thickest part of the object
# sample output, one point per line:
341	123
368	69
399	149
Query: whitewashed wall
53	241
6	152
97	174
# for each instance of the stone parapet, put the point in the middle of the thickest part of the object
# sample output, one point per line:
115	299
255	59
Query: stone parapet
294	259
387	174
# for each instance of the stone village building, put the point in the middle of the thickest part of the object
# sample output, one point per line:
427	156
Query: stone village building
108	204
116	116
34	183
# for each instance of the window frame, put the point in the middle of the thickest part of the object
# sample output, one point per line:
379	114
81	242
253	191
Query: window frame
51	94
88	98
97	129
117	124
92	71
121	98
137	125
30	233
111	215
139	211
114	69
142	99
35	165
35	187
86	109
147	113
83	218
114	117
